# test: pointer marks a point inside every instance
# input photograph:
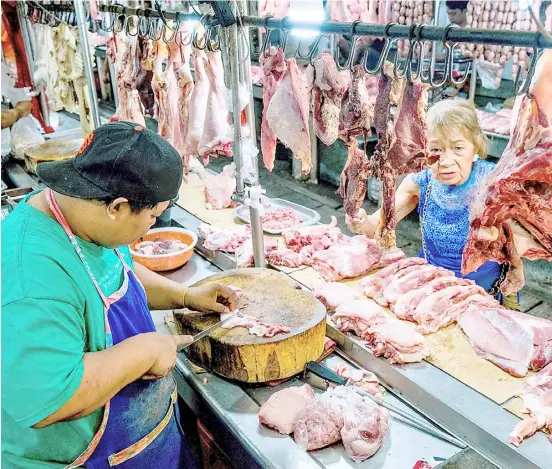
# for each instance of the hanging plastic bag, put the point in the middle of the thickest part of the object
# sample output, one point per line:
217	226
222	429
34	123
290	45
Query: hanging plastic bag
24	135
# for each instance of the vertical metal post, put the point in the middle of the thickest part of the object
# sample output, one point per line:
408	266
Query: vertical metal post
473	82
87	60
237	54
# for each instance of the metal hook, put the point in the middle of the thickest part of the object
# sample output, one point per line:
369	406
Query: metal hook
410	75
119	24
384	52
447	72
354	42
154	28
312	51
144	25
265	45
283	41
129	28
399	74
103	22
175	30
523	87
462	80
213	45
195	40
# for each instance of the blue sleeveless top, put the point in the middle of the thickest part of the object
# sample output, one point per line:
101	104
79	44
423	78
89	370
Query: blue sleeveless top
446	223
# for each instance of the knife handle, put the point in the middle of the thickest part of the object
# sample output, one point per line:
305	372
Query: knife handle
325	373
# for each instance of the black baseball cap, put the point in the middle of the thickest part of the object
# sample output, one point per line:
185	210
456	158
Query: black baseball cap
119	159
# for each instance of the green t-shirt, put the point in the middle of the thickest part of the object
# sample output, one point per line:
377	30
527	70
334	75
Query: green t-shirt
51	315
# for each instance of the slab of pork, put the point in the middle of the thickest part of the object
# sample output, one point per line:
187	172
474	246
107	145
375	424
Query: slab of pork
333	294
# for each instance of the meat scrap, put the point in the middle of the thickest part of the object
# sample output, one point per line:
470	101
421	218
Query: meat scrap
317	237
281	409
285	257
280	218
254	326
536	393
333	294
245	256
288	114
520	188
400	125
327	87
273	65
361	378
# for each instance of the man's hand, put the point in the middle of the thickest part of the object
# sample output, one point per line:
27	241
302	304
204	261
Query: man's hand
211	298
362	224
164	348
23	108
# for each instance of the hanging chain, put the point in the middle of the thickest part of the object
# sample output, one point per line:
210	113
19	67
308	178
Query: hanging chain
422	221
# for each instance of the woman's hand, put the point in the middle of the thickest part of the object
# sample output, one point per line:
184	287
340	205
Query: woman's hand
164	348
211	298
362	223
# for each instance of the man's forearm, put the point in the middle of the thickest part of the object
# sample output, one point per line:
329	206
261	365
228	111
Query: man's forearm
9	117
162	293
105	374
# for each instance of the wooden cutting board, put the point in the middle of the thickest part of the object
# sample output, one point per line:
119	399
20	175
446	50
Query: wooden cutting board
54	150
271	297
450	351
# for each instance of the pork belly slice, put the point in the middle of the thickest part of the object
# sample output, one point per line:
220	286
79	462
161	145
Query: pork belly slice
397	342
333	294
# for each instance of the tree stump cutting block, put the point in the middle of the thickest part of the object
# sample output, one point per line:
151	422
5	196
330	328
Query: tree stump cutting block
271	297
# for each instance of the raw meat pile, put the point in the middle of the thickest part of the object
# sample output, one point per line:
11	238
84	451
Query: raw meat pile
503	15
387	337
363	379
498	123
159	246
284	407
254	326
342	414
519	188
536	393
280	219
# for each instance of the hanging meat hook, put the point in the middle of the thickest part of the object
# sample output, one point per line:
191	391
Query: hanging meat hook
120	22
354	43
195	35
105	21
156	30
144	24
265	46
462	80
312	51
399	74
213	45
285	31
447	72
410	74
388	42
183	31
129	27
166	27
522	87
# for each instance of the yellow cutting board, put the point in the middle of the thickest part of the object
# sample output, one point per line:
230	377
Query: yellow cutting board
450	351
192	199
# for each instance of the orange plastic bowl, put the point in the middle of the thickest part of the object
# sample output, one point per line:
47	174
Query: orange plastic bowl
171	261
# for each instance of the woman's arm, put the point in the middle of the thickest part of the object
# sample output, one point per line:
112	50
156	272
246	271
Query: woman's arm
406	200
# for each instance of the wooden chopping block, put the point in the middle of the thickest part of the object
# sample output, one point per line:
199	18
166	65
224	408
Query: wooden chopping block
54	150
271	297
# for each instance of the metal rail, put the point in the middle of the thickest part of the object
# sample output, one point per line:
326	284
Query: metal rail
429	33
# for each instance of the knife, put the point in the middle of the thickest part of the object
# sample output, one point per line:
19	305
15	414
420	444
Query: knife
320	377
206	332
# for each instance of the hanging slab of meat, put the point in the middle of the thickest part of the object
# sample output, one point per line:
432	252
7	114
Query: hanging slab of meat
361	378
288	114
317	237
327	86
497	337
412	280
536	393
216	138
357	113
282	408
333	294
226	239
144	74
374	285
352	182
406	305
161	90
197	103
400	125
434	312
273	66
520	188
364	427
349	258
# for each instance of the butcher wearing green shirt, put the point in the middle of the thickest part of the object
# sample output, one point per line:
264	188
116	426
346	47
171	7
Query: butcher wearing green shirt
86	380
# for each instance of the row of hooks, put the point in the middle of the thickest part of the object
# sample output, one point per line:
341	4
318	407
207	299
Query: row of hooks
50	14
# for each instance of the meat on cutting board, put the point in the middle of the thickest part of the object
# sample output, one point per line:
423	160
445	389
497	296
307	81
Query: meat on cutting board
327	86
349	258
254	326
274	66
318	237
364	427
536	392
283	407
374	285
497	337
520	188
288	114
333	294
216	138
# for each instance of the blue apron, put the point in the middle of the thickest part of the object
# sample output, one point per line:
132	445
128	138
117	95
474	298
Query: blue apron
141	426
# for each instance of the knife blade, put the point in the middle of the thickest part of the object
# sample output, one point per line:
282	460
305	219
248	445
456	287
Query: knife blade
320	376
206	332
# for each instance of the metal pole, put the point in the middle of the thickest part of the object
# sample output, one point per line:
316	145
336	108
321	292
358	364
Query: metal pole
87	60
473	82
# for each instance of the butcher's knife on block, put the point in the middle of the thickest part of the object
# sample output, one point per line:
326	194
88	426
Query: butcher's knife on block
206	332
320	377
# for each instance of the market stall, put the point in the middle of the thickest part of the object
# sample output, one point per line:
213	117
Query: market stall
445	397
